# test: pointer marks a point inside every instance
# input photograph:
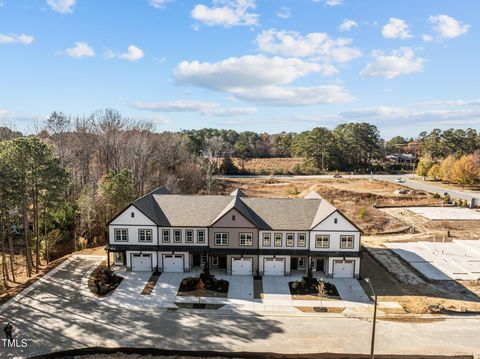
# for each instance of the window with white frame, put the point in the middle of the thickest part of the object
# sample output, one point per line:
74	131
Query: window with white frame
189	236
200	236
346	242
221	239
203	259
145	235
121	235
166	236
302	240
290	239
301	263
245	239
267	239
278	240
322	241
177	236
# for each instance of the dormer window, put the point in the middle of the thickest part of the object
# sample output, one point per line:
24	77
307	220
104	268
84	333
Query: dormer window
132	214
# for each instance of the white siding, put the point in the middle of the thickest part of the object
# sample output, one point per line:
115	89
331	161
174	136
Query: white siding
126	218
335	230
132	234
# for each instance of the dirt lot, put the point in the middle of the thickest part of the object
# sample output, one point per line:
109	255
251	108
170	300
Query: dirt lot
354	197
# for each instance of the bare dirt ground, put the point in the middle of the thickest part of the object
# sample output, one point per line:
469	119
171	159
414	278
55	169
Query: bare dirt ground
354	197
393	279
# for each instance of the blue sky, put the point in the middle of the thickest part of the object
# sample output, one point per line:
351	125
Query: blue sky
264	65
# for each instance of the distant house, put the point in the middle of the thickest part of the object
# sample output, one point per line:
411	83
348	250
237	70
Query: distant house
400	158
235	233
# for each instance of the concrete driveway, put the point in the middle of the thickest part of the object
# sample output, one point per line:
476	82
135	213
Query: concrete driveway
129	292
58	315
276	289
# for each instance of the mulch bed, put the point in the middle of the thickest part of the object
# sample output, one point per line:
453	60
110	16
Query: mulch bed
192	286
151	283
309	287
105	284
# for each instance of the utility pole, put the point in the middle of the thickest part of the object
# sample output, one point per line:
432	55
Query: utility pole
372	345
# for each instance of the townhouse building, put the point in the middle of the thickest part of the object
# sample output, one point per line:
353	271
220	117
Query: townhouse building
237	234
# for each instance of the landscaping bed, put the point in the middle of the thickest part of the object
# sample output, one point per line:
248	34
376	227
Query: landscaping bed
308	289
103	281
205	285
151	283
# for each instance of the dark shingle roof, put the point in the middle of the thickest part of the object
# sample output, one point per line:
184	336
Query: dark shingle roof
266	213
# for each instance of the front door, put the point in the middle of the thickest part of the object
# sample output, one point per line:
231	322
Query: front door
294	263
196	260
320	265
222	262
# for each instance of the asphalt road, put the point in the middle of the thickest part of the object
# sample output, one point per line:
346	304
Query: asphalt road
417	184
59	315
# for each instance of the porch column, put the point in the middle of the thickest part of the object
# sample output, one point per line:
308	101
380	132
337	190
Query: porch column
108	259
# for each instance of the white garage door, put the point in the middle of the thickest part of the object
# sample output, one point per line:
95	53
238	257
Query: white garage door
273	266
343	269
173	264
242	266
141	262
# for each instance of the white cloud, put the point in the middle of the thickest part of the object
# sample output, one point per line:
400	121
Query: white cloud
245	72
159	4
261	79
459	102
447	26
284	12
16	39
133	53
330	2
315	44
226	13
398	62
62	6
203	107
295	96
427	38
396	29
347	25
403	115
81	49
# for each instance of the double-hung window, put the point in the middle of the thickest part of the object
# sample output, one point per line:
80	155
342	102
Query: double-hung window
221	239
290	239
166	236
177	236
267	239
121	235
145	235
200	236
346	242
245	239
322	241
278	240
189	236
302	240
